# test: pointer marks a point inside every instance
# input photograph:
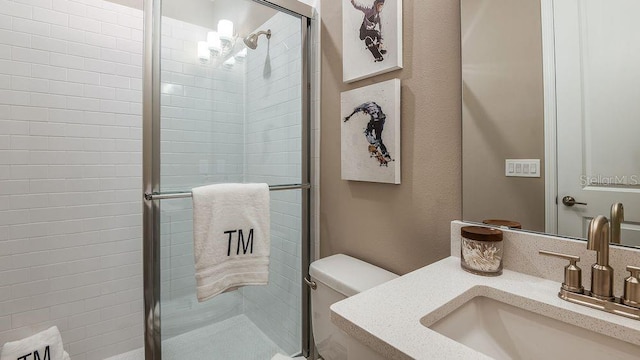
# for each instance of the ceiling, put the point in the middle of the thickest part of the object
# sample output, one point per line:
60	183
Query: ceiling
246	15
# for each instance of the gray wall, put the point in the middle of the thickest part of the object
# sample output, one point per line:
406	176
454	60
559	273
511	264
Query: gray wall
502	110
398	227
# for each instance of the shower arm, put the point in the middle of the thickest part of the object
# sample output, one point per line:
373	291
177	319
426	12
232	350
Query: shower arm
262	32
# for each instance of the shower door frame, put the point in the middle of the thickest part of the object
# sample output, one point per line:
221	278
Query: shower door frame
151	169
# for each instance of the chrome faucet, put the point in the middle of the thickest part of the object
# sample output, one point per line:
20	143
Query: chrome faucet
601	273
617	217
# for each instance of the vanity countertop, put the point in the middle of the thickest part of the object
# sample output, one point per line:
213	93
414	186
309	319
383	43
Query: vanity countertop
388	317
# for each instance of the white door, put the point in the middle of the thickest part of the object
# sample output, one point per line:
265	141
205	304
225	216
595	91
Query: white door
598	111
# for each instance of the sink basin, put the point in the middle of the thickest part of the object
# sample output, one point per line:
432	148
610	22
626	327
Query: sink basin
503	331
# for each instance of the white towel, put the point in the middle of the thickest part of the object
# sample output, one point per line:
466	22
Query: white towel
231	232
47	343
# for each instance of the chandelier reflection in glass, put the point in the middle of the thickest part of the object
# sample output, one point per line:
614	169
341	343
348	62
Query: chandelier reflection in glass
220	47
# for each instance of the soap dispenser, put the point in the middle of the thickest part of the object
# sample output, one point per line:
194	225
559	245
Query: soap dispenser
631	295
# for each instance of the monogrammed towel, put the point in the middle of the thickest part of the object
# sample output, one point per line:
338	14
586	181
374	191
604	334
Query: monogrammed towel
46	344
231	233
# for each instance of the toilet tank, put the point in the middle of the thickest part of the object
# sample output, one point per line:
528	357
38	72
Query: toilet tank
338	277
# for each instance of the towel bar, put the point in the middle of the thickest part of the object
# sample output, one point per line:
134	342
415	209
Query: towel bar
187	194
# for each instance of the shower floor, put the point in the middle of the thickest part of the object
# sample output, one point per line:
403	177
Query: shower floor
236	338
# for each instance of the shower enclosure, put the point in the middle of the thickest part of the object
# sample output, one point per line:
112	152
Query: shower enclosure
219	111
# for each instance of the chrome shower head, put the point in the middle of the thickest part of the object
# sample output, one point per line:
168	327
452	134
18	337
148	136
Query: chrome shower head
252	39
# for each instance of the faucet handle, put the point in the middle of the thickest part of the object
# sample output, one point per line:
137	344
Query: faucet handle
634	270
631	295
572	273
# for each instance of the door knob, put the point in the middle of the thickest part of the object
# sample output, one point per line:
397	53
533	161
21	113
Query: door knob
570	201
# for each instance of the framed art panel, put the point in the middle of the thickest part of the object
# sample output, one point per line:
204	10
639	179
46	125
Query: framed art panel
370	133
371	38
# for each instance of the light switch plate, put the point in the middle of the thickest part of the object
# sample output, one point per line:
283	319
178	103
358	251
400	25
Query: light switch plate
522	167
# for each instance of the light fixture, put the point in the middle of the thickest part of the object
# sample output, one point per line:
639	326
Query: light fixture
225	29
204	54
241	55
213	40
230	62
220	45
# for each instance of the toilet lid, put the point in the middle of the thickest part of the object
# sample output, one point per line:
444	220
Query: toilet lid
348	275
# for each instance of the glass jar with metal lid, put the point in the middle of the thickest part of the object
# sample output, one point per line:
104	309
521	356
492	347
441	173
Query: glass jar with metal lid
481	250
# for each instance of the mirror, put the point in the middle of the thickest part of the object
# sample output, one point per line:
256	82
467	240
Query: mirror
551	110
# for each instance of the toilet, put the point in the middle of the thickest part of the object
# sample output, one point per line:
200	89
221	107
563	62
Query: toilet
338	277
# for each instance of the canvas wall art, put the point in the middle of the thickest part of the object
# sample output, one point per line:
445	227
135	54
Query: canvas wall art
371	38
370	132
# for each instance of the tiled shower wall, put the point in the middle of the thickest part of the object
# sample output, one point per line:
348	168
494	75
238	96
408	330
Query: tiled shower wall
202	143
273	155
230	137
70	166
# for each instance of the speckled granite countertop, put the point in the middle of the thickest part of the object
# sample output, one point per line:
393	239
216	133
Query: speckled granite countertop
389	318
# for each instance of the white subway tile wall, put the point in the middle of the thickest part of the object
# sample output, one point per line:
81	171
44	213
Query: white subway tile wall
70	165
273	155
202	109
70	173
244	126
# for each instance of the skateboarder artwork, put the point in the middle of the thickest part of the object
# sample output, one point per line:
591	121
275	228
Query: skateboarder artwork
371	28
372	39
370	128
373	132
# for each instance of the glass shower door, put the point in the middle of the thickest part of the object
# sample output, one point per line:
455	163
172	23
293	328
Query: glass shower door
231	111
